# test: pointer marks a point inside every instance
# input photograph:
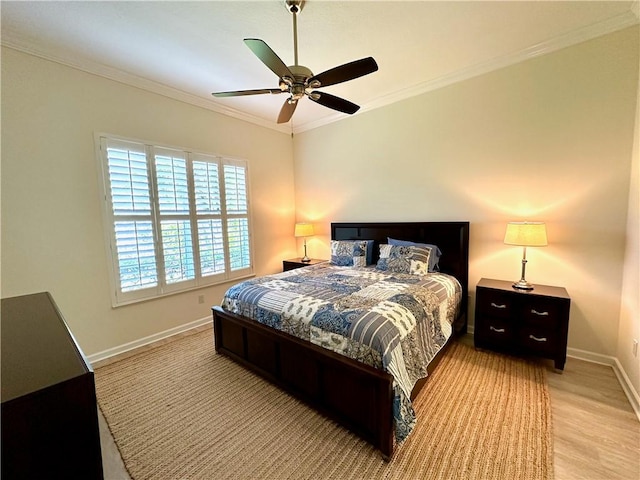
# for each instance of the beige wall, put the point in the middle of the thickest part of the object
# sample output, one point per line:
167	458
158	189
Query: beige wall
630	304
52	230
548	139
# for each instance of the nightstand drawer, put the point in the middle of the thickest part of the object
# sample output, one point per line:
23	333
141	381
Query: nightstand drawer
541	313
538	340
495	330
495	304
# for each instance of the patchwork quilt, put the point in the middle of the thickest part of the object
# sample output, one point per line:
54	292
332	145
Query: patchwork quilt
392	321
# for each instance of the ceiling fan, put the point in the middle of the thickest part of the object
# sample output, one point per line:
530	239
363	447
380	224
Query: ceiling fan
298	80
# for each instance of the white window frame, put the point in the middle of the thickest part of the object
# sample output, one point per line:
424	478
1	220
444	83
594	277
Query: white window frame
164	288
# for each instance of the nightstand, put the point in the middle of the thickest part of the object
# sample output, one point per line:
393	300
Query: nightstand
298	263
530	322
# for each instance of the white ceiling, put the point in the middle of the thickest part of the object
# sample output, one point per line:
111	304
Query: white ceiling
186	50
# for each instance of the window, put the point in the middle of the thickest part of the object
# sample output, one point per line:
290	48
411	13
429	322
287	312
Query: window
176	219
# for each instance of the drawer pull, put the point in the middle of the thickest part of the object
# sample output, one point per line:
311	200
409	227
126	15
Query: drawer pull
495	305
497	330
541	314
543	339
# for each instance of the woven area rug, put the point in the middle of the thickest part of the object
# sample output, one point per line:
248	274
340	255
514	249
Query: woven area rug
180	411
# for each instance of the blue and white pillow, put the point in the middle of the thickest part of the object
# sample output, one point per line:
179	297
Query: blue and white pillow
349	253
402	259
435	251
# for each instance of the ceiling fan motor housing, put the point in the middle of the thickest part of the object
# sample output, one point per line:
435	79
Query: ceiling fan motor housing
298	84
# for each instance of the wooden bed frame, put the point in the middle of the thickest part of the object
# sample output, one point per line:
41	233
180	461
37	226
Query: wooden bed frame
354	394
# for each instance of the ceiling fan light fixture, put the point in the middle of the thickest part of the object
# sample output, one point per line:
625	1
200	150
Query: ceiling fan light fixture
297	91
288	81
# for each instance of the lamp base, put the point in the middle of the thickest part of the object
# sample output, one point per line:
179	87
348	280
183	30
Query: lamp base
305	259
522	284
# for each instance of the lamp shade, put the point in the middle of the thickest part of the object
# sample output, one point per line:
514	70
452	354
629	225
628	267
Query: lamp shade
526	234
303	230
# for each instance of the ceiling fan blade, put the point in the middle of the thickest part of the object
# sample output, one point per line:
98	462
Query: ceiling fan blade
240	93
348	71
286	112
336	103
268	57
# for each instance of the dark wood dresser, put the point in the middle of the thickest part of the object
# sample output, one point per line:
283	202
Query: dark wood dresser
49	410
530	322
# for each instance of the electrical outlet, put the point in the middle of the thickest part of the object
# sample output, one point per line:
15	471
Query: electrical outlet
200	298
635	347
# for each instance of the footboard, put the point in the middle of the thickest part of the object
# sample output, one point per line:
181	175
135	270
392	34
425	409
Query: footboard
355	395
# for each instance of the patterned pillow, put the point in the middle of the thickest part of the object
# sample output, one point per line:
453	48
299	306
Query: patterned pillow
435	251
402	259
347	253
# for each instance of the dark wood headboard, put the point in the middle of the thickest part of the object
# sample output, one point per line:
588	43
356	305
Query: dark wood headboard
451	237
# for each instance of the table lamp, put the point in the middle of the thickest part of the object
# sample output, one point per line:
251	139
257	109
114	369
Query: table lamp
304	230
525	234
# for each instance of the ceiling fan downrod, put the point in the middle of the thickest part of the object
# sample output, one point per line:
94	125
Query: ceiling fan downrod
295	7
297	84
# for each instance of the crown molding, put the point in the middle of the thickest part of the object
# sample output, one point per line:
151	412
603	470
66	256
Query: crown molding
583	34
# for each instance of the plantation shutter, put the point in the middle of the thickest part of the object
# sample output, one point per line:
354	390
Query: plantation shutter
174	216
176	219
235	185
206	178
131	208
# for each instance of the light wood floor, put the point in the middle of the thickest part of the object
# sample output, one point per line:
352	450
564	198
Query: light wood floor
596	433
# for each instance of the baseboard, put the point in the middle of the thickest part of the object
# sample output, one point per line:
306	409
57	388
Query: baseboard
592	357
629	391
623	378
142	342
